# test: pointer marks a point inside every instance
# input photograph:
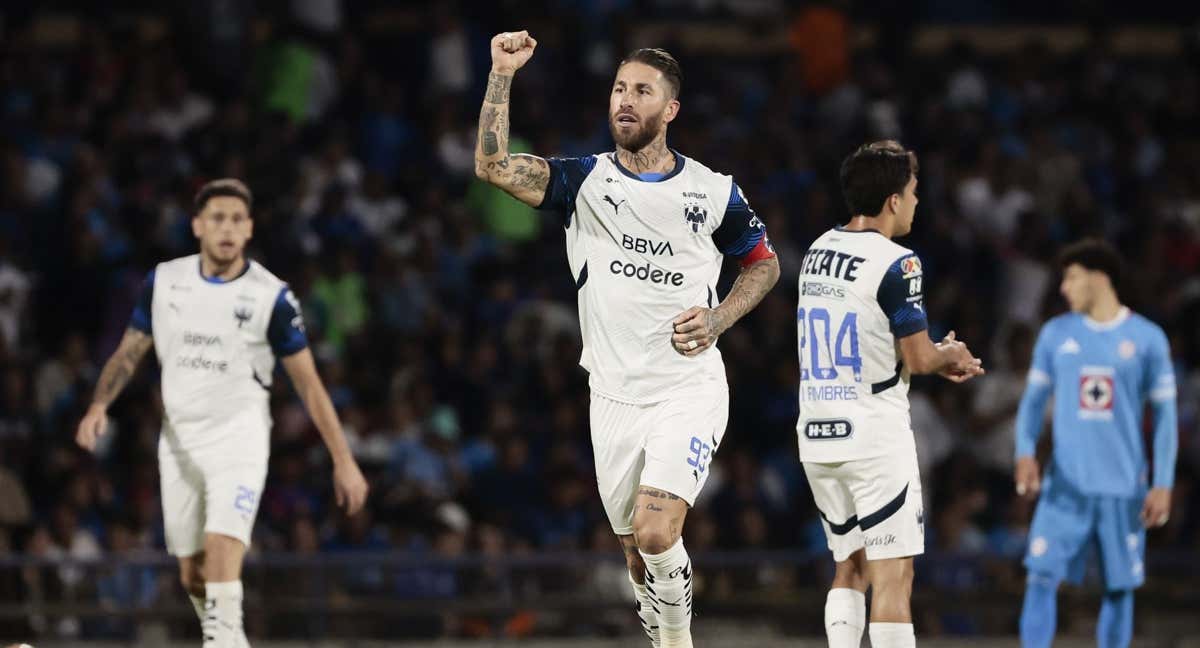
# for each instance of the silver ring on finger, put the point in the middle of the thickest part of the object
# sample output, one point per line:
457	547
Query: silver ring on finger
692	344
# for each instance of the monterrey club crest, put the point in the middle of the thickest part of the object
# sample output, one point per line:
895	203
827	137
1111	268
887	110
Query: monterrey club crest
695	215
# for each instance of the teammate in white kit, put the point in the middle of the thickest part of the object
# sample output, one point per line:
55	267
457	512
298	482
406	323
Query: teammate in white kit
218	322
647	230
862	332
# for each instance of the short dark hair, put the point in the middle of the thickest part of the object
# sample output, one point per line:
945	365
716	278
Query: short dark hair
1093	254
222	187
874	172
660	60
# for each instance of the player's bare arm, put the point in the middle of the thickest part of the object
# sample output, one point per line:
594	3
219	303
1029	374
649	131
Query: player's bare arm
698	328
950	357
348	482
116	374
525	177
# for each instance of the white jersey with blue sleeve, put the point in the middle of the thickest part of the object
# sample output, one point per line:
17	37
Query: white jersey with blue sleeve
642	250
216	343
1101	376
860	292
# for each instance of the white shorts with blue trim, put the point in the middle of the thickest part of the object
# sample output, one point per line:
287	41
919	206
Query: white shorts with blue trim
870	503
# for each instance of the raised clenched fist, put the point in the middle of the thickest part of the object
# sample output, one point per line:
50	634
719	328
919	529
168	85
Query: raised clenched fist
511	50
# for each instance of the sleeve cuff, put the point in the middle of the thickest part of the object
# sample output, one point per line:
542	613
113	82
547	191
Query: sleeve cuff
909	328
1038	377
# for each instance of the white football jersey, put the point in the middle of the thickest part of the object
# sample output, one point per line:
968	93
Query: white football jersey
643	249
216	343
860	292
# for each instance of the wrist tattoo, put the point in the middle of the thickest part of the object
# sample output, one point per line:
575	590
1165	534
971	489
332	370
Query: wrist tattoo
498	88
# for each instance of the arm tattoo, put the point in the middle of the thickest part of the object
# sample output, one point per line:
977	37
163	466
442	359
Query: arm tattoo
493	128
498	88
531	172
491	145
524	176
748	289
120	367
652	492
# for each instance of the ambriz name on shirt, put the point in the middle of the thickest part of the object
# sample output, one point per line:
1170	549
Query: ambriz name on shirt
830	392
831	263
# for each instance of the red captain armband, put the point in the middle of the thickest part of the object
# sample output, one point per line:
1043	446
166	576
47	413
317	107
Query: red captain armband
764	250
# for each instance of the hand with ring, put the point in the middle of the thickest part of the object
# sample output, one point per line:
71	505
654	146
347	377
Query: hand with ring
695	330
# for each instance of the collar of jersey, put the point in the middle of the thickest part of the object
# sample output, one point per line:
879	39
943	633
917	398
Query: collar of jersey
674	172
218	280
869	230
1111	324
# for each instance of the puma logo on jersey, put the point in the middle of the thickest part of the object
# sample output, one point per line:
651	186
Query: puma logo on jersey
616	205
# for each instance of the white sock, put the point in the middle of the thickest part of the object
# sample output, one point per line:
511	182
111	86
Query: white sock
198	603
223	615
845	617
892	635
669	583
645	611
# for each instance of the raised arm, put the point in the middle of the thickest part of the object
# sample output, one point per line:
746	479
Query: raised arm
525	177
116	374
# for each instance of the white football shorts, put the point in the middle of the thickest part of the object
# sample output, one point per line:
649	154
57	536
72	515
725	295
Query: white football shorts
209	493
870	503
666	445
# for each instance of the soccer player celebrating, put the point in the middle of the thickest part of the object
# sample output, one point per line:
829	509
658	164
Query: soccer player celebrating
862	332
218	322
646	231
1102	363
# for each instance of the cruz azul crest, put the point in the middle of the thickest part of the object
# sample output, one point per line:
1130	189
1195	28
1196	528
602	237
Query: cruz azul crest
695	215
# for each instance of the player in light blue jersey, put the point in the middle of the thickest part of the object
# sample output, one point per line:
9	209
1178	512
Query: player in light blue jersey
1102	363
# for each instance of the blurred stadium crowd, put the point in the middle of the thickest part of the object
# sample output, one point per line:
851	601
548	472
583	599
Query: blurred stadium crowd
442	312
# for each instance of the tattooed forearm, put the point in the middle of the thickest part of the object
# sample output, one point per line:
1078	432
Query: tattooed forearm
493	127
491	144
524	176
652	492
653	507
751	285
498	88
120	367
